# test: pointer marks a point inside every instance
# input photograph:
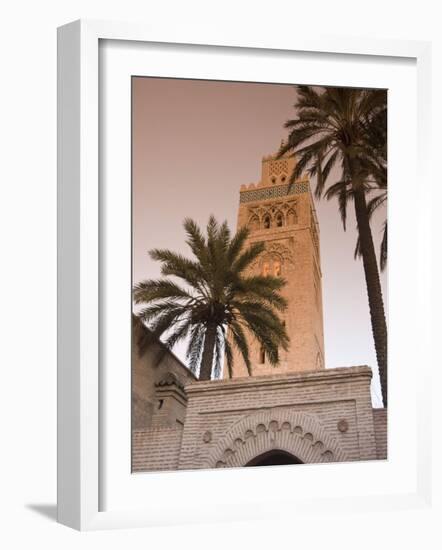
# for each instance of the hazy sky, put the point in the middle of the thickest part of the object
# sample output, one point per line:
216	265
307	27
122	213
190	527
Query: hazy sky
194	144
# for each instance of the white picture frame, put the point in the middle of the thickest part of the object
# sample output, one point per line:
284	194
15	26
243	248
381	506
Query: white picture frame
79	368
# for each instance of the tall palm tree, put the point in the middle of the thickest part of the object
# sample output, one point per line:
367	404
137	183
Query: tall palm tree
217	296
333	129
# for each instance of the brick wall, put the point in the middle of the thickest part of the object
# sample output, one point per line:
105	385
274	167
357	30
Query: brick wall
317	416
158	404
156	449
294	246
380	430
146	375
180	423
338	399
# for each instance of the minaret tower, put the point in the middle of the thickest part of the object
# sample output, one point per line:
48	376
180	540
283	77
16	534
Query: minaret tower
283	217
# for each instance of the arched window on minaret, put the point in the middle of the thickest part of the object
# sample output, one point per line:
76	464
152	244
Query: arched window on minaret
291	217
266	269
279	220
276	268
266	222
254	223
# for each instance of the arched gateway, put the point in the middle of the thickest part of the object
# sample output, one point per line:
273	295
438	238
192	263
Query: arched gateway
256	438
276	457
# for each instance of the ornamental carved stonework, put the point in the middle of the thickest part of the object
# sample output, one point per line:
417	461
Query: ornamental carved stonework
286	209
170	379
298	433
275	250
254	193
343	425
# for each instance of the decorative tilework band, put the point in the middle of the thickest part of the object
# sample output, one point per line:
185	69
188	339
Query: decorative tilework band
272	192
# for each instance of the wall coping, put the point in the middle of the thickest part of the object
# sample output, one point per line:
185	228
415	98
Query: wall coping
329	376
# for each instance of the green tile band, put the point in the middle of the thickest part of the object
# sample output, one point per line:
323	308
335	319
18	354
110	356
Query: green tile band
273	192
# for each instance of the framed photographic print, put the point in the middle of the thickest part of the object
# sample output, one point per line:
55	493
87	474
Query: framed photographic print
226	285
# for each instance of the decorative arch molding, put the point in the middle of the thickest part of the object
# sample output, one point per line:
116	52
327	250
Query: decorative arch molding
297	433
280	250
274	251
286	209
254	222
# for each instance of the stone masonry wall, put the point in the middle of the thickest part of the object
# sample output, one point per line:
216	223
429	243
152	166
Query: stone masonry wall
156	449
380	428
337	400
292	250
158	404
146	374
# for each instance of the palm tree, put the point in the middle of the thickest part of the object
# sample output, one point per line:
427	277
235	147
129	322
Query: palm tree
217	296
334	128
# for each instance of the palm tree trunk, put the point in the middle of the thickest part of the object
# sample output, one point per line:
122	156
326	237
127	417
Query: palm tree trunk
207	357
374	291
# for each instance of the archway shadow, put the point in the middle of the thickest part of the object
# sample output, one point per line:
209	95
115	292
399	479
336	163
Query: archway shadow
275	457
48	511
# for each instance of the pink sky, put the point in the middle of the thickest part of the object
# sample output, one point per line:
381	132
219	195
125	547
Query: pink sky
194	144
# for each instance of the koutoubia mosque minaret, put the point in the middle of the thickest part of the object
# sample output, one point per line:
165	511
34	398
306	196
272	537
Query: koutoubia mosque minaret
283	217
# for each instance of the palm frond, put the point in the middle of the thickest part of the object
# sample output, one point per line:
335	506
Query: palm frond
264	324
247	257
384	251
179	332
195	347
357	251
237	243
150	312
197	243
240	342
159	289
266	288
229	356
178	266
219	353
